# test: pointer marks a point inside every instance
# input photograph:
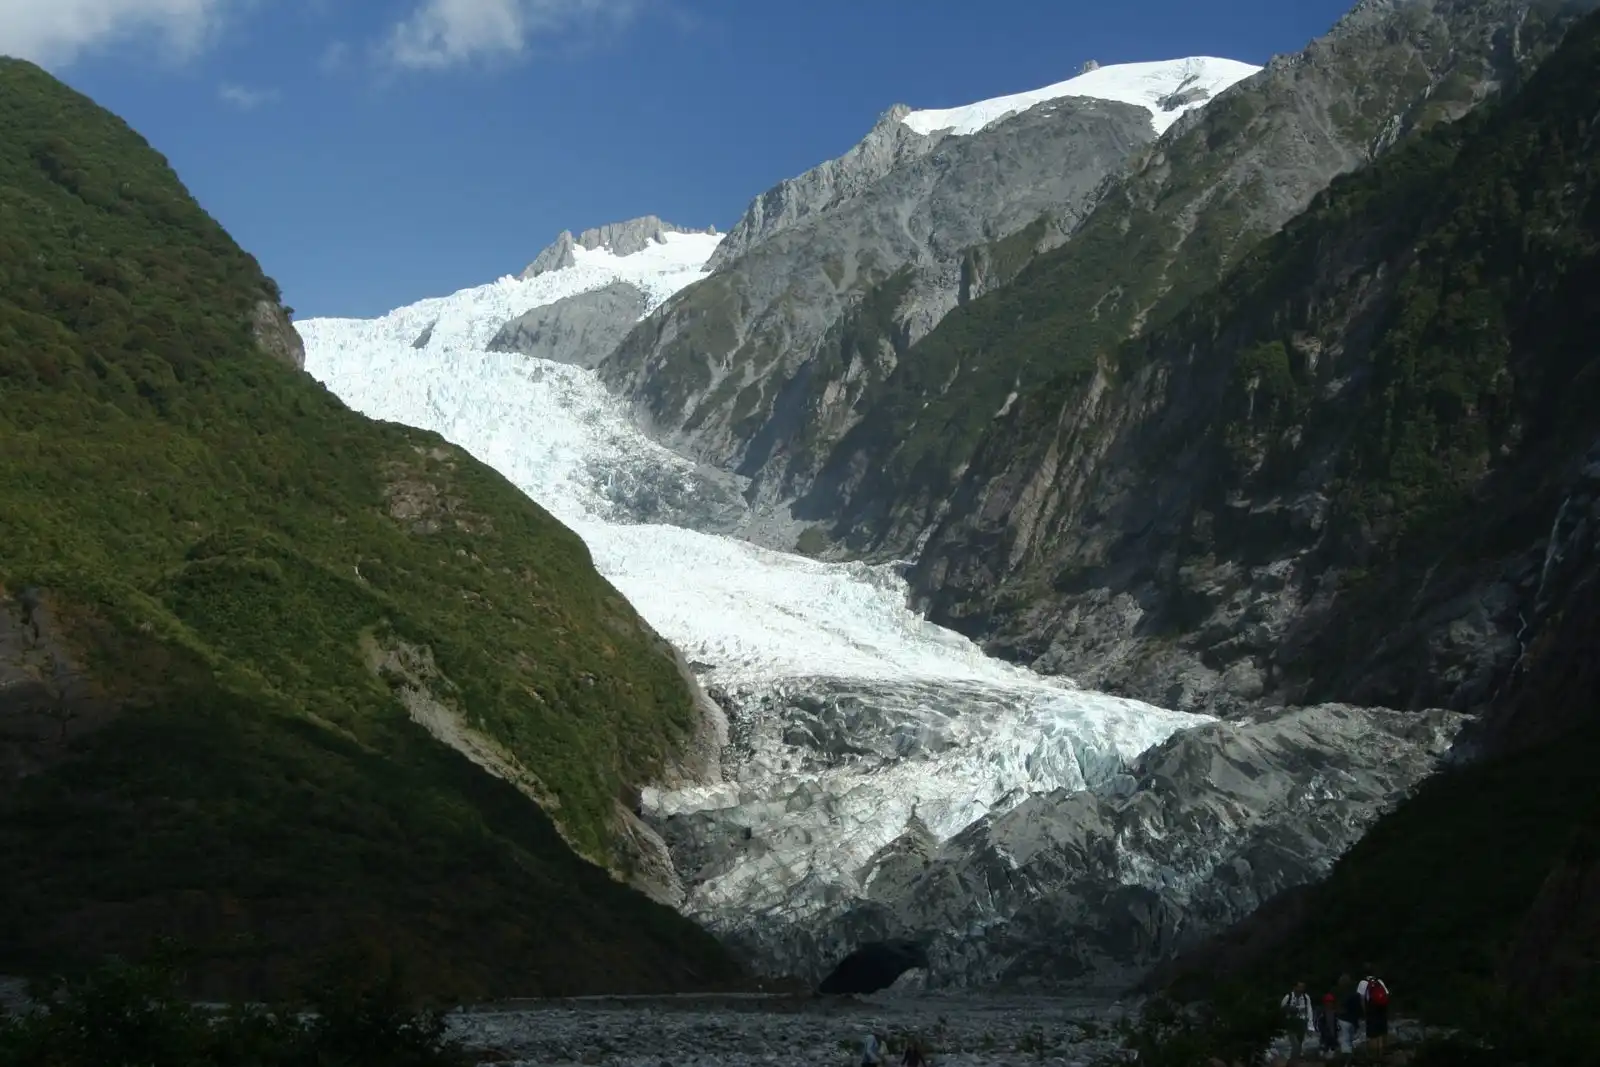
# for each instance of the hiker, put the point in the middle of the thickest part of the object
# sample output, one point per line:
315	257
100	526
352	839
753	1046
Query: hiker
1296	1005
1328	1025
1349	1015
913	1055
872	1050
1375	999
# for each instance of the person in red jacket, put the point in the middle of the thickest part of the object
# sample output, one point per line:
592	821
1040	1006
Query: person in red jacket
1328	1024
1374	993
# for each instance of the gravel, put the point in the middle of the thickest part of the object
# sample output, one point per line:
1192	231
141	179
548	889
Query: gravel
959	1030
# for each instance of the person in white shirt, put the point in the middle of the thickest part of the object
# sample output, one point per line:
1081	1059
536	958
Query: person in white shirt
1296	1007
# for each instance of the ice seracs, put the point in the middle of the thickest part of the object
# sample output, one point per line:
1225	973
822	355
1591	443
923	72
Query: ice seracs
835	689
1167	89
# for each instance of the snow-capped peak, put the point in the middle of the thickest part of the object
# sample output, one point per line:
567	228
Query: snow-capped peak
470	317
619	238
1167	89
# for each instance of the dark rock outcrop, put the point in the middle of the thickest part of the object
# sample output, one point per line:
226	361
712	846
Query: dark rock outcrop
425	336
276	335
580	329
1553	956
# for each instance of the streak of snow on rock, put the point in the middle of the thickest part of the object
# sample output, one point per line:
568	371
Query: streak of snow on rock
1149	85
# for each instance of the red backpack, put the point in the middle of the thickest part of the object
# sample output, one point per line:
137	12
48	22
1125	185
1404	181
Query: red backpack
1377	993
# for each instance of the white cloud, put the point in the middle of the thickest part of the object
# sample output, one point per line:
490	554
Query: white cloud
59	31
245	98
448	33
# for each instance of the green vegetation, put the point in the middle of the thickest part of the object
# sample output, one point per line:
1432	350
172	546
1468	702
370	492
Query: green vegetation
1003	260
709	308
251	583
1264	398
121	1014
1438	912
1234	1027
813	541
1478	356
1436	895
1480	383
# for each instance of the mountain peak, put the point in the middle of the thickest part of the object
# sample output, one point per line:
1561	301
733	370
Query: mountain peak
618	238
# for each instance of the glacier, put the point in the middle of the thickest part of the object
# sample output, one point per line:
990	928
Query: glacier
948	733
881	777
753	616
1167	89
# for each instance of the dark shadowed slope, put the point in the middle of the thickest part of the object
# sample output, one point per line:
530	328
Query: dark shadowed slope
1471	455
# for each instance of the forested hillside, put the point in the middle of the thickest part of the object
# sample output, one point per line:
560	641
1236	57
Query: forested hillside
242	629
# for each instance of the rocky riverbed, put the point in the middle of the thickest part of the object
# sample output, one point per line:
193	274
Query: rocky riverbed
960	1030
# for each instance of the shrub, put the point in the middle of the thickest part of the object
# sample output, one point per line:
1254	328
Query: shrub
123	1014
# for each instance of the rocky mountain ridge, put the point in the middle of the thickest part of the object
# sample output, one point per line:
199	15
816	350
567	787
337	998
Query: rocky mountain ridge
806	364
887	145
1484	372
1223	179
724	372
619	238
1169	545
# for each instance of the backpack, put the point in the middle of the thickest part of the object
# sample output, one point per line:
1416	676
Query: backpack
1377	993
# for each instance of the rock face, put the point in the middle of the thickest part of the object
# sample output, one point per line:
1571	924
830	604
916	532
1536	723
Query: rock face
1185	211
619	238
579	329
829	275
810	361
1084	886
276	335
1205	517
794	201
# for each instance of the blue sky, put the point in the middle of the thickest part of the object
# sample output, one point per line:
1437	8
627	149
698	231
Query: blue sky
373	152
